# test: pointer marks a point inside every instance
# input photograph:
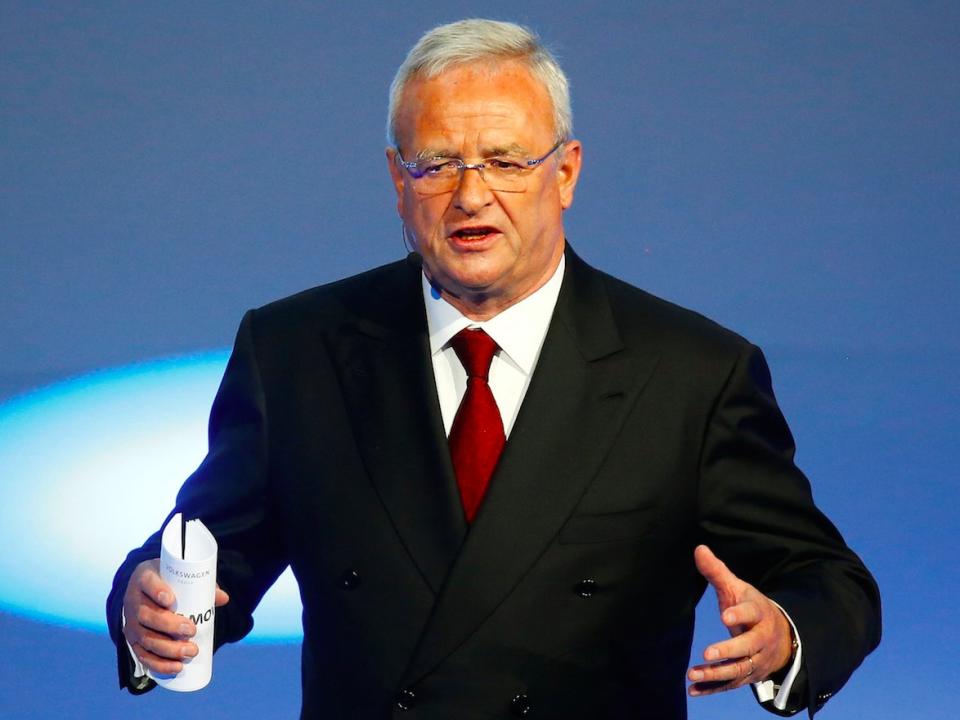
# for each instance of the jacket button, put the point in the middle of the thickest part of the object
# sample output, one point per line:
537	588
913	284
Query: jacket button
586	588
520	705
406	699
350	579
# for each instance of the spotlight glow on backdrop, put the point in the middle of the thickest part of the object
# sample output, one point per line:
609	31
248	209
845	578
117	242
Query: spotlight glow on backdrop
91	466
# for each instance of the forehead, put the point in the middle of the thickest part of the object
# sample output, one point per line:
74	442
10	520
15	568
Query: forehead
473	105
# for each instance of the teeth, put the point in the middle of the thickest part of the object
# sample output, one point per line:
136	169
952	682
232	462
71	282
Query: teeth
473	231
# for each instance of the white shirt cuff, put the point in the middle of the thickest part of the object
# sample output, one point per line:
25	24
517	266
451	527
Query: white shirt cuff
767	690
138	669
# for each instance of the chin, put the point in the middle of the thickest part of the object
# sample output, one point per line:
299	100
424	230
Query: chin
470	286
471	273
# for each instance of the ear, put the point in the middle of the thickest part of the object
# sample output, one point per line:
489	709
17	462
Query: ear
396	175
568	171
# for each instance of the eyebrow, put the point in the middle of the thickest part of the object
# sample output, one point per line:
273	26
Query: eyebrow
491	151
510	149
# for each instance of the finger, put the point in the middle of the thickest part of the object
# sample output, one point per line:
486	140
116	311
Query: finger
714	688
711	567
221	598
154	663
742	616
166	648
154	617
153	586
715	572
698	689
728	673
741	646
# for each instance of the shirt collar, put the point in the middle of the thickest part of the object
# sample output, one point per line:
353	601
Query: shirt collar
519	330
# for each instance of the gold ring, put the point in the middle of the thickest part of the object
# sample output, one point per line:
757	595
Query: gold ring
752	668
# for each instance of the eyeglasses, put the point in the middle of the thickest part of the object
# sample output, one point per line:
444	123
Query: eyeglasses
503	173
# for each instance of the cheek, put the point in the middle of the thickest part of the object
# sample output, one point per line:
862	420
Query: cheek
425	215
531	219
432	209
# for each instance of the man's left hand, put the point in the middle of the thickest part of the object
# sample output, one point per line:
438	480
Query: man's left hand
761	641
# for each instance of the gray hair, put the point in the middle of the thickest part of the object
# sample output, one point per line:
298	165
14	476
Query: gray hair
483	41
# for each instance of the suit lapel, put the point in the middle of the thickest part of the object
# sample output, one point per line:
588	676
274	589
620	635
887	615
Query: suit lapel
583	385
383	356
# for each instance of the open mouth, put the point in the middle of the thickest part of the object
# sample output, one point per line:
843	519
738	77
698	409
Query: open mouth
471	235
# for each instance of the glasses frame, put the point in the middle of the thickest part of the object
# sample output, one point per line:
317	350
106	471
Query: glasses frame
411	166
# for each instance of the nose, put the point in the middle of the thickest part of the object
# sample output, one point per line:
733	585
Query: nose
472	192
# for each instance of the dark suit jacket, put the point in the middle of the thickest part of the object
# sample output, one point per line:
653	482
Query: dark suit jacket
646	429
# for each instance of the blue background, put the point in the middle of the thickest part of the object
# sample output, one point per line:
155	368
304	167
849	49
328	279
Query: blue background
790	169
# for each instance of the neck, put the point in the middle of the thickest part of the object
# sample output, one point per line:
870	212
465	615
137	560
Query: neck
481	305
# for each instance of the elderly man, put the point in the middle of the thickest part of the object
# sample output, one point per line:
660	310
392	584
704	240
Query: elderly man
503	479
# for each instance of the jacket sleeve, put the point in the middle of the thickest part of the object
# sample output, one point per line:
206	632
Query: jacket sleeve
758	515
230	494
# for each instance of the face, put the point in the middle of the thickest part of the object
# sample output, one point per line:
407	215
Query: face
486	249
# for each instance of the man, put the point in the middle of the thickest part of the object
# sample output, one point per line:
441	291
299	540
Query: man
501	477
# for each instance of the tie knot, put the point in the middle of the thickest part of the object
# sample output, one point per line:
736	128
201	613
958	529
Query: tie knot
476	350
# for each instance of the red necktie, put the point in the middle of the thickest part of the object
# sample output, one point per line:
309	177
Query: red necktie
476	438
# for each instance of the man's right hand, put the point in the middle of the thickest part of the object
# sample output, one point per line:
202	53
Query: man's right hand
159	637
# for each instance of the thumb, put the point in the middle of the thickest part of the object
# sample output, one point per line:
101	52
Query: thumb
221	597
715	572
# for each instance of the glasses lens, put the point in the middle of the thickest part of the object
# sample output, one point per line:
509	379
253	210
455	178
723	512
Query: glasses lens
440	175
506	174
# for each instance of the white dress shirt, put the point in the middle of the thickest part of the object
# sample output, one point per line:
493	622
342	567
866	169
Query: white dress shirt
519	331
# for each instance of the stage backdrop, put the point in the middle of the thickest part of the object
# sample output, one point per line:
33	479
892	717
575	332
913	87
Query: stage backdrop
789	169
